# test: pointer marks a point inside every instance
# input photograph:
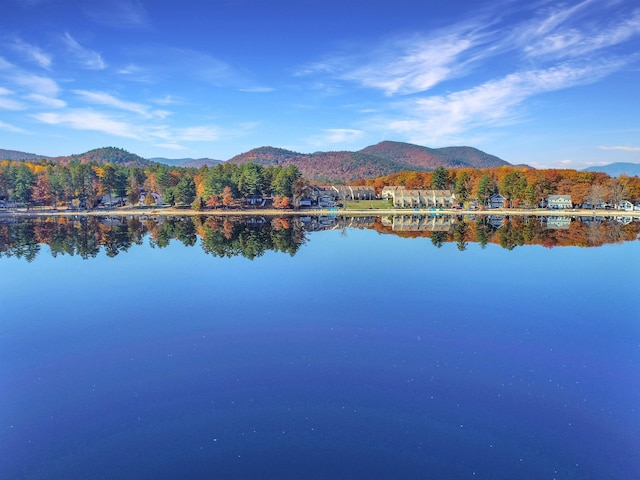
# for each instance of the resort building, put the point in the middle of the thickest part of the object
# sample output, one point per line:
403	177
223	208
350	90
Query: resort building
401	197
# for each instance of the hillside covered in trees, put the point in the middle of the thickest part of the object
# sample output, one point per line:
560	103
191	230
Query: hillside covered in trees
374	161
522	187
48	183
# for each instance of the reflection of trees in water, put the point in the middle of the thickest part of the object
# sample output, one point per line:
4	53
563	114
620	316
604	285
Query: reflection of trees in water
252	237
510	232
87	236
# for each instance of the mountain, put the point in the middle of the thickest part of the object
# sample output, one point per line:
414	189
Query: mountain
15	155
377	160
432	158
374	161
324	166
113	155
617	169
187	162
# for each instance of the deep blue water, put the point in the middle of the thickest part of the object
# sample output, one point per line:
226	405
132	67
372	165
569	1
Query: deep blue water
362	356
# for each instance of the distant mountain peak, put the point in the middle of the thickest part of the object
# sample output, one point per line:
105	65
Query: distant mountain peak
617	169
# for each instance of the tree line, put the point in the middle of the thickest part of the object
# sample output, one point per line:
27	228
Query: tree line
86	237
522	187
46	183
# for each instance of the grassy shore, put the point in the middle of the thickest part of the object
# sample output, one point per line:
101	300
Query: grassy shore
350	210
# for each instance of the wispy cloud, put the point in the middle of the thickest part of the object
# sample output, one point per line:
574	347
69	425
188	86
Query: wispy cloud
118	13
622	148
89	120
496	102
102	98
88	58
37	84
11	128
257	89
198	134
47	100
336	136
32	53
170	146
567	39
7	103
409	65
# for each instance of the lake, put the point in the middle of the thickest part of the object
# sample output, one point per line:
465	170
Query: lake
319	347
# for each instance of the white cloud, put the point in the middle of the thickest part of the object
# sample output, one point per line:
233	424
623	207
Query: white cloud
118	13
47	101
102	98
89	120
32	52
88	58
39	85
415	67
406	66
257	89
166	100
623	148
341	135
430	119
198	134
170	146
9	103
11	128
573	41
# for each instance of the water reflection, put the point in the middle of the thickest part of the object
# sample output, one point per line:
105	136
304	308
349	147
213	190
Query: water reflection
251	237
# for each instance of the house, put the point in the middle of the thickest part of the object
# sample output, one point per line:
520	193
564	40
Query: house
625	205
404	198
157	198
349	192
255	199
558	202
497	201
589	205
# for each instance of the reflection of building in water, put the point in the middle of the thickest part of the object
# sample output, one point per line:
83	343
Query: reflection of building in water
496	221
317	223
418	223
561	222
624	220
403	197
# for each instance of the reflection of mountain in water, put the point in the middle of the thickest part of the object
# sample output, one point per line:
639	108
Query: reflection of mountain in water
252	237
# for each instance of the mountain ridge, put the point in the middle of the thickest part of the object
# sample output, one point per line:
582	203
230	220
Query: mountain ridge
616	169
377	160
374	161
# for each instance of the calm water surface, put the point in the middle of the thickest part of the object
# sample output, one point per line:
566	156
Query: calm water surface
361	356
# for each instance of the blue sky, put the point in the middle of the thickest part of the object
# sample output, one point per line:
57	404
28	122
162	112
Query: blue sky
548	83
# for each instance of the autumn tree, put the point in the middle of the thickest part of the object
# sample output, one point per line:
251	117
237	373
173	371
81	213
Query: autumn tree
513	187
213	201
486	188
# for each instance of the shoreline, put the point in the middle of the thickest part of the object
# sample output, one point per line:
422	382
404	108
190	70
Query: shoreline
172	211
